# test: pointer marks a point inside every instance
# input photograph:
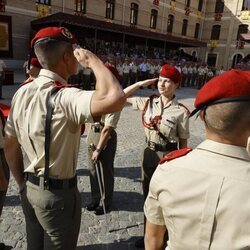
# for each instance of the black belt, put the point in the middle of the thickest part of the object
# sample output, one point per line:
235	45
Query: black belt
162	147
53	183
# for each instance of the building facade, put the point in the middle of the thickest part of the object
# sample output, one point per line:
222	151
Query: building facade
206	30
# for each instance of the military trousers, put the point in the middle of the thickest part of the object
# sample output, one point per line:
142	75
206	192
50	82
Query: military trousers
52	217
150	161
106	163
4	166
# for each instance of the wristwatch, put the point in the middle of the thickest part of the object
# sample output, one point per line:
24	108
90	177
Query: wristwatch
98	150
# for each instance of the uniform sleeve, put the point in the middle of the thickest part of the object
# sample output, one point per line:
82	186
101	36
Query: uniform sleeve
183	125
152	207
111	120
138	102
76	104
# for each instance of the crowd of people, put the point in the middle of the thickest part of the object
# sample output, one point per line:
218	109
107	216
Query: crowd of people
191	197
131	70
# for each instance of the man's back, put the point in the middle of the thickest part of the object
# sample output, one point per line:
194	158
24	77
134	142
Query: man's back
29	111
201	195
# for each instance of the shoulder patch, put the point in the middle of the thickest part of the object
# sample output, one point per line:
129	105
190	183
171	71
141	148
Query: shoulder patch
175	154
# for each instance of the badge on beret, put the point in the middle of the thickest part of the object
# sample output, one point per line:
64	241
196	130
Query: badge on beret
65	32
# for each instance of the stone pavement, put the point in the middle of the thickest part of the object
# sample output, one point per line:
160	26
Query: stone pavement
125	221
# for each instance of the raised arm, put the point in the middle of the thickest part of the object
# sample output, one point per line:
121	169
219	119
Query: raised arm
108	96
132	88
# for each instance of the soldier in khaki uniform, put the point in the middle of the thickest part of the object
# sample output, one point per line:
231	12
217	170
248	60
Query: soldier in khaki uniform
50	200
102	142
103	137
166	123
202	198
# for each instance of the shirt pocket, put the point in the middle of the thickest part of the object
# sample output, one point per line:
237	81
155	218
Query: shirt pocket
168	126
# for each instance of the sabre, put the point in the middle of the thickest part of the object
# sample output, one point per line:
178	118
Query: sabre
101	185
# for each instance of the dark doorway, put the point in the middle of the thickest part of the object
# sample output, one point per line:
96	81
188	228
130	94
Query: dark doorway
211	59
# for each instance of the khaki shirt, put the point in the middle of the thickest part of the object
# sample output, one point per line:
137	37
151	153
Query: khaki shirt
203	198
26	122
174	123
111	120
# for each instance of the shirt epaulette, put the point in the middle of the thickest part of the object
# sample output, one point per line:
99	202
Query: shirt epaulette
61	85
175	154
185	107
26	82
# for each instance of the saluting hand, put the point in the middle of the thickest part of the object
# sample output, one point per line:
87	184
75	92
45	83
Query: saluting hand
84	56
147	82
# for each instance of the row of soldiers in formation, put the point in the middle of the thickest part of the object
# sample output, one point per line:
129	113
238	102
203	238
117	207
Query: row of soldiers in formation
130	71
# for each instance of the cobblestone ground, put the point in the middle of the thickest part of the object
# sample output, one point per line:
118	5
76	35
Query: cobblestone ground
125	221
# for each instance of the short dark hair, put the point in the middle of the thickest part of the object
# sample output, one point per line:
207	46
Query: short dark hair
50	51
228	118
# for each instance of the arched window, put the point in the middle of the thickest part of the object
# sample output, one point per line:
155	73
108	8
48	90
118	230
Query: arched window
243	29
219	6
134	13
237	58
81	6
110	9
184	27
215	34
197	31
170	24
200	5
245	5
153	19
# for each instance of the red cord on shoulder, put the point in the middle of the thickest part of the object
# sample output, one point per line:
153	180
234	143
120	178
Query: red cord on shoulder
175	154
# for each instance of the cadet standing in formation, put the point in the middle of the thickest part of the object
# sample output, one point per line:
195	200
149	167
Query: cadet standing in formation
165	120
47	176
202	198
102	142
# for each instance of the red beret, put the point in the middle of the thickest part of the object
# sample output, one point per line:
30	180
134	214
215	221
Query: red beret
170	72
113	70
57	33
233	85
35	63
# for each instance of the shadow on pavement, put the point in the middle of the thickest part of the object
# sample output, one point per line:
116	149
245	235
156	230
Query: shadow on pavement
127	244
127	201
122	201
133	173
12	200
